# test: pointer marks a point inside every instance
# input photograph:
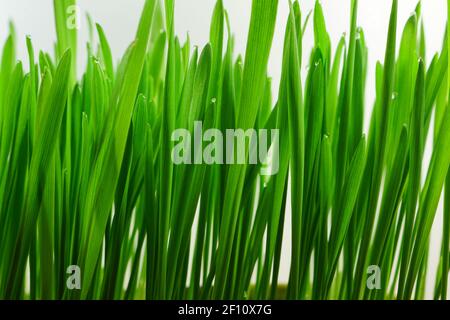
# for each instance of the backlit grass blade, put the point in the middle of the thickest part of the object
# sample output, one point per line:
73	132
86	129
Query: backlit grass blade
260	36
296	144
51	114
108	163
380	144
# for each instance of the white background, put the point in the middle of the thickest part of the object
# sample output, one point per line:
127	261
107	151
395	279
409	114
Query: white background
119	18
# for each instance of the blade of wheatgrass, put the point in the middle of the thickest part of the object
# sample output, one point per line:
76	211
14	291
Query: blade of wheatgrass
415	163
216	42
408	64
269	212
436	64
441	106
197	178
405	76
128	188
380	145
7	67
187	94
51	114
7	64
435	80
12	144
11	220
255	239
192	177
345	209
105	52
46	236
321	36
314	130
212	189
430	195
392	195
182	173
325	194
446	220
150	207
166	168
358	101
332	90
355	132
66	20
262	26
278	183
227	110
343	156
296	146
107	166
10	115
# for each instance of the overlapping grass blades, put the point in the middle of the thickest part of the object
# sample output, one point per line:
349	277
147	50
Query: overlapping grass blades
87	175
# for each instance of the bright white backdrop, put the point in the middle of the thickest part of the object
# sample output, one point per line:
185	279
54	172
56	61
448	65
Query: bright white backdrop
120	17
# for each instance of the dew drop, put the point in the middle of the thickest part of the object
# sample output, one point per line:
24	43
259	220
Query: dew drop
394	95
